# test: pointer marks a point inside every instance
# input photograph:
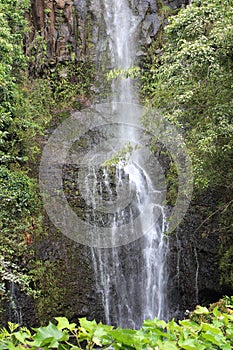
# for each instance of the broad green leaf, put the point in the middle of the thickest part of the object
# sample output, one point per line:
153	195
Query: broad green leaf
84	335
229	316
172	326
11	346
63	323
3	345
49	335
216	312
101	335
161	323
191	344
214	338
96	341
21	336
123	336
189	324
201	310
89	326
229	331
226	346
141	336
168	345
47	332
209	327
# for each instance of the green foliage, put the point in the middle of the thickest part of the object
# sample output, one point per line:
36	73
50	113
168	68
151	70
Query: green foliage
214	333
164	10
190	81
122	156
20	219
192	84
71	82
27	107
50	284
37	55
19	223
133	72
13	61
58	92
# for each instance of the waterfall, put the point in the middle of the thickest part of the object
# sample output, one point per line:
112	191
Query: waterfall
130	279
120	27
15	313
196	275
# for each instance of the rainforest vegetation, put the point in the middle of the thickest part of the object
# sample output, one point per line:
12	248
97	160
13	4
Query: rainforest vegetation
205	329
188	75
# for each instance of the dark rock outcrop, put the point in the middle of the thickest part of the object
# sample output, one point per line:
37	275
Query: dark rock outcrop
194	260
75	29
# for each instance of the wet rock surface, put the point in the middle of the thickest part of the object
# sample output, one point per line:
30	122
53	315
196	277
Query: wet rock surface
194	260
74	29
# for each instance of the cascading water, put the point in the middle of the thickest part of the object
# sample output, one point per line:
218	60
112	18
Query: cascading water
15	313
196	275
120	28
131	279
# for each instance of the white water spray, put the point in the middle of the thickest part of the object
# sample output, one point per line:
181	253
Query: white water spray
130	279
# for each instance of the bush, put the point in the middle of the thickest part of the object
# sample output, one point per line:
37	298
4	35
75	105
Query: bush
214	333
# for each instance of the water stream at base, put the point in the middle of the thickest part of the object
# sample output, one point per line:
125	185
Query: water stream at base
15	313
131	279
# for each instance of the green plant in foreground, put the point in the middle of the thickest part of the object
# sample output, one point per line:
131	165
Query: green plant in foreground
213	330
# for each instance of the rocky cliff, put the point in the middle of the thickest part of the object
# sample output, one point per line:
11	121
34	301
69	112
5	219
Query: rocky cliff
194	258
63	30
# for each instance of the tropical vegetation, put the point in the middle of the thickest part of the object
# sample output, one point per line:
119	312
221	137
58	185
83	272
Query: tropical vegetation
205	329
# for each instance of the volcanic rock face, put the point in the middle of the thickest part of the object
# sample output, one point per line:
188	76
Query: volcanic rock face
54	21
193	261
75	29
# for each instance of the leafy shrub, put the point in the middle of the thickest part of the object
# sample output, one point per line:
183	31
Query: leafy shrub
154	334
19	222
191	82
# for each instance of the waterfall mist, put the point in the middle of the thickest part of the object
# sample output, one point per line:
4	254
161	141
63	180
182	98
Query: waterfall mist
131	279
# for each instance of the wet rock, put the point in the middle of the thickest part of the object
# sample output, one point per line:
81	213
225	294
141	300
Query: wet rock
76	28
194	259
